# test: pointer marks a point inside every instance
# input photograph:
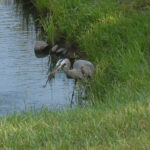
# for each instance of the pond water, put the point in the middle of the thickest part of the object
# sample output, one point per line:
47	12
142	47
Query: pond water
22	74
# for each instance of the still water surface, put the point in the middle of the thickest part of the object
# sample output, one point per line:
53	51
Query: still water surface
22	74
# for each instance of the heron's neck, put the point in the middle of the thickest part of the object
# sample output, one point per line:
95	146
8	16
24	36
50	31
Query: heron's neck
68	71
66	68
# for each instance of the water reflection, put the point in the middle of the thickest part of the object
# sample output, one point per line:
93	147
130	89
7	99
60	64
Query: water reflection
22	74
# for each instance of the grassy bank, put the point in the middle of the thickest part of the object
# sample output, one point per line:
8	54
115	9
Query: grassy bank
115	36
114	127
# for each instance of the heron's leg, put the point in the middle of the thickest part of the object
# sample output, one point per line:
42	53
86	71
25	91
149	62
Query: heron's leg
85	88
75	81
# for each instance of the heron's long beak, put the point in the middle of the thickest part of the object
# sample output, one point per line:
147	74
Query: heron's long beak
55	70
51	76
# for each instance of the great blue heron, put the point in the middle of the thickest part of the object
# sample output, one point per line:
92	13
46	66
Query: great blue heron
82	69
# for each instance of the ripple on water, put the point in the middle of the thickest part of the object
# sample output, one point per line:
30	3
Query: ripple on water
22	74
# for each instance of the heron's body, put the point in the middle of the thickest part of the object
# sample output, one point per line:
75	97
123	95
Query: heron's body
81	69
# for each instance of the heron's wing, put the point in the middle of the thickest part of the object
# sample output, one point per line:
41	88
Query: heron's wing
75	74
80	63
87	70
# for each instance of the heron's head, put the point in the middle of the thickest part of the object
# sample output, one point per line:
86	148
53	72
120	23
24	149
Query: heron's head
62	63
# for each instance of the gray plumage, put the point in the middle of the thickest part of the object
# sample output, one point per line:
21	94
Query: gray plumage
81	68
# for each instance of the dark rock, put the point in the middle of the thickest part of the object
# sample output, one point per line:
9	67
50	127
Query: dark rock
54	48
64	52
41	46
41	54
60	50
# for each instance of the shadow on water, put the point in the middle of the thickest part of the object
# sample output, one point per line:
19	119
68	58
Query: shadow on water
22	73
27	11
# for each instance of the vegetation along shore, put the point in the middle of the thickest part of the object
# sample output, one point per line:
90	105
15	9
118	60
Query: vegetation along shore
115	36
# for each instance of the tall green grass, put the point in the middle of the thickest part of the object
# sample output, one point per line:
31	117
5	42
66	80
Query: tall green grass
113	34
107	126
49	28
